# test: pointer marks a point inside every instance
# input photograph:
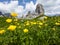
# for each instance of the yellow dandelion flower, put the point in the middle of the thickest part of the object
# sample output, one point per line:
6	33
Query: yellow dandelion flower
12	27
2	31
13	14
25	30
9	20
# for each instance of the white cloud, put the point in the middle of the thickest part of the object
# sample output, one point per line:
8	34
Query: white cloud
14	7
8	7
19	10
51	7
30	6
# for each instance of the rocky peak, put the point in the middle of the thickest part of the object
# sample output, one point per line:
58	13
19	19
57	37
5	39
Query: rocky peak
39	9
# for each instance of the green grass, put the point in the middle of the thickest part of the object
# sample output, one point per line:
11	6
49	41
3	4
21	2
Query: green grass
46	34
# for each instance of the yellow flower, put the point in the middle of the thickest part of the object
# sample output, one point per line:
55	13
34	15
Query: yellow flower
39	26
57	23
2	31
12	27
45	17
46	24
19	27
40	23
53	28
25	30
18	24
27	24
15	22
58	20
9	20
33	23
16	19
13	14
28	21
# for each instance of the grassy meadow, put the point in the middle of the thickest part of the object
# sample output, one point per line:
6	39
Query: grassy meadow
15	31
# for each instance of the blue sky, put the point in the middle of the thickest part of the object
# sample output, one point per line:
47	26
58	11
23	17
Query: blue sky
21	2
4	0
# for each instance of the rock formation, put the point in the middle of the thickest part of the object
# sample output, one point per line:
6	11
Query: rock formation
1	14
5	14
38	11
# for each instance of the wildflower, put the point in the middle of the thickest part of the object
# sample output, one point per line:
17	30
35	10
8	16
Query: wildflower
16	19
28	21
57	23
18	24
53	28
33	23
15	22
25	30
40	23
19	27
39	26
45	17
58	20
46	24
13	14
9	20
2	31
27	24
24	25
12	27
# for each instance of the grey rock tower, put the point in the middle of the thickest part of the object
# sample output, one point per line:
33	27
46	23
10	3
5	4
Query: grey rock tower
39	9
